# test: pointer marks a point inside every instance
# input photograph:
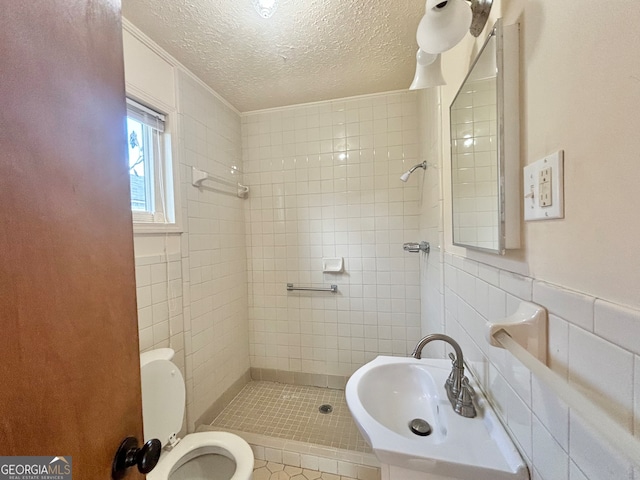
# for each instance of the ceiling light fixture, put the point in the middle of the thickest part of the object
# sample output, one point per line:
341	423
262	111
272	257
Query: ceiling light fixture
265	8
428	71
443	26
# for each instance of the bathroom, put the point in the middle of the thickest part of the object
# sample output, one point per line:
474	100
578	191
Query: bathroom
323	175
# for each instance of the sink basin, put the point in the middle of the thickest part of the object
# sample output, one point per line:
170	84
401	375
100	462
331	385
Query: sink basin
385	395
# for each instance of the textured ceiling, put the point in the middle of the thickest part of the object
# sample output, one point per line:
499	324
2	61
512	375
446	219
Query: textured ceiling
309	50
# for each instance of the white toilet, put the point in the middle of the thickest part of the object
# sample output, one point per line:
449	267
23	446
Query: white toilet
198	456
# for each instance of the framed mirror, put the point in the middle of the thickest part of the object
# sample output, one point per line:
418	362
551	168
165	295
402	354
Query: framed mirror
485	147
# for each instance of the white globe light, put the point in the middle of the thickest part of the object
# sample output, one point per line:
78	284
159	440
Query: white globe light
423	58
429	75
443	25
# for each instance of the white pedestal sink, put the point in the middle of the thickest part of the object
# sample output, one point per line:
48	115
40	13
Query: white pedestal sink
385	395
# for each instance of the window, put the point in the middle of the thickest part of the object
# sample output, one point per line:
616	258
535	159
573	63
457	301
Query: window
150	164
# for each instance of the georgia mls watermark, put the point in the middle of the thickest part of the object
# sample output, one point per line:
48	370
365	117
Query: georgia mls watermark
35	468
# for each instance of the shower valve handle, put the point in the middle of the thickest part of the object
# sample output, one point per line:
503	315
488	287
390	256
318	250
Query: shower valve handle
417	247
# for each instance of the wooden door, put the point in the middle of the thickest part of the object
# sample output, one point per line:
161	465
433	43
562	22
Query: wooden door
69	365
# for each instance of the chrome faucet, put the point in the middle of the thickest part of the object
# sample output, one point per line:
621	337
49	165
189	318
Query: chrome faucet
459	392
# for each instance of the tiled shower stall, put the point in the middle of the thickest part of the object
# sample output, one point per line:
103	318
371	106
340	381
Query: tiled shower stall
325	183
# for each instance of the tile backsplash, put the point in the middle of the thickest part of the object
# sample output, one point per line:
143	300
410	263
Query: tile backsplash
591	345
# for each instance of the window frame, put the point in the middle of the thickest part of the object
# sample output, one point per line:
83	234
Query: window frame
167	173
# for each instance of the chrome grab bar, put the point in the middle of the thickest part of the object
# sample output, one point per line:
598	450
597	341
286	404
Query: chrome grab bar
332	288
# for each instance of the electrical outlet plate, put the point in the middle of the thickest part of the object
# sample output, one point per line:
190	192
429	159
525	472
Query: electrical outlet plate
544	188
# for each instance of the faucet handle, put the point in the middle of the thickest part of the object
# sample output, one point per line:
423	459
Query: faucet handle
453	358
452	375
464	404
453	383
469	388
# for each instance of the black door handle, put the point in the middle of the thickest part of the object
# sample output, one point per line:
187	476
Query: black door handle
128	455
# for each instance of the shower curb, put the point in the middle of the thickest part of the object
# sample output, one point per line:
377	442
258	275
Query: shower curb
359	465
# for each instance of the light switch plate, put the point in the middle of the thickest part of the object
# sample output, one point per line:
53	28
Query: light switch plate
542	202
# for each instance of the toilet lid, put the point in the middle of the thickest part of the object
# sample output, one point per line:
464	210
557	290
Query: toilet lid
163	400
157	354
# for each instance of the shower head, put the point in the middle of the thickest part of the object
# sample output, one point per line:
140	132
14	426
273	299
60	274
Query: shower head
405	176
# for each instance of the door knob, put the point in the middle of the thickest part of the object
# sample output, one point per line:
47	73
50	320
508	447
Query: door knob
128	455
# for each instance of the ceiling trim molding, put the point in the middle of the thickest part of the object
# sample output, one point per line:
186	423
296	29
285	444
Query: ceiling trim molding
321	102
148	42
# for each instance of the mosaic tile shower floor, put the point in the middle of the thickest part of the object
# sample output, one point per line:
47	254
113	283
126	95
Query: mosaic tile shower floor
291	412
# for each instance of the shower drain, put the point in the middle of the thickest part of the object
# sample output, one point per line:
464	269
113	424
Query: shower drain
326	408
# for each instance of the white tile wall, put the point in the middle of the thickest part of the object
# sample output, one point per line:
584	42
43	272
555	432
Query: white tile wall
575	473
556	462
431	201
325	182
605	370
572	306
618	325
593	456
160	306
552	412
554	440
200	296
213	249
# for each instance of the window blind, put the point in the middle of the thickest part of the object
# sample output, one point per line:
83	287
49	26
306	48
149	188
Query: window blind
145	115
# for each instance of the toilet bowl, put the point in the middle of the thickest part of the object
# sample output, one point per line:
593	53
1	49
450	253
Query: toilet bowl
197	456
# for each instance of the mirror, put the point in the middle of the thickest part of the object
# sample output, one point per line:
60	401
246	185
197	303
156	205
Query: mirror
485	150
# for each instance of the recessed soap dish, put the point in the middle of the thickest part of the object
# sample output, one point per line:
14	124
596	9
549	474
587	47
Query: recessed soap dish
332	264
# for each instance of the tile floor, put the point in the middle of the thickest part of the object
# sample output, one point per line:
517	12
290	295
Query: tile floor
291	412
276	471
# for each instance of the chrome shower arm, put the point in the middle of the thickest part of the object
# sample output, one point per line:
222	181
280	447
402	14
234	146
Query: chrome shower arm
405	176
419	165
